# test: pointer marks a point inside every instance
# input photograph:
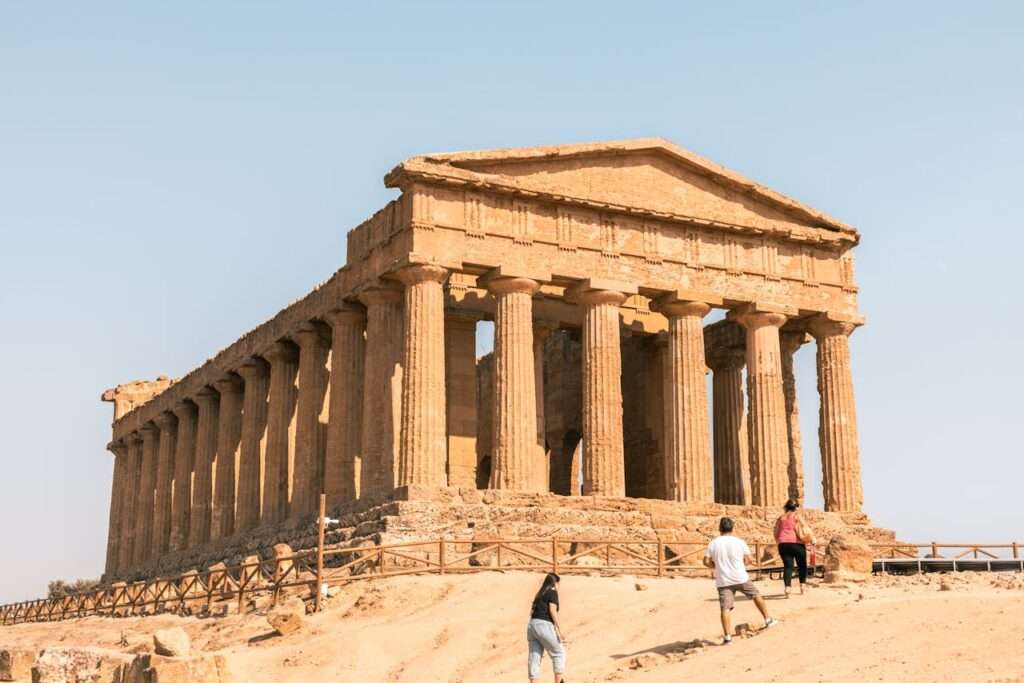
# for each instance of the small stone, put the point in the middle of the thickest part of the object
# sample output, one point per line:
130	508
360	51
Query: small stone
945	585
172	642
641	587
288	617
744	630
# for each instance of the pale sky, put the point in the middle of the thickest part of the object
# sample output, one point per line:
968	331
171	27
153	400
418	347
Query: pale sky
173	174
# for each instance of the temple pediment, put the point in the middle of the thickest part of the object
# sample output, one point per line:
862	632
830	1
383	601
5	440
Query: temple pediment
651	175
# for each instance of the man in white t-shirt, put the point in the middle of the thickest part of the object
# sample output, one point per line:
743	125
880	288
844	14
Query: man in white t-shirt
726	555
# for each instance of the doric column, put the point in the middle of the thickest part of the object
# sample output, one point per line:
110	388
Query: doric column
688	461
314	344
789	343
382	390
603	447
118	493
280	463
461	396
168	425
255	373
769	443
344	428
129	507
732	458
203	483
837	430
542	469
184	461
421	458
514	458
143	547
229	438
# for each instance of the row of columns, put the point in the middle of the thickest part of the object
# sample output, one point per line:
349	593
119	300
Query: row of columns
261	443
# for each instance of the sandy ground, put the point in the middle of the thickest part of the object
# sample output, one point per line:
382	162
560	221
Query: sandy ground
472	628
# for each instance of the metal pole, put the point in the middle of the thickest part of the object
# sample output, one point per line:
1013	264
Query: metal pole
320	552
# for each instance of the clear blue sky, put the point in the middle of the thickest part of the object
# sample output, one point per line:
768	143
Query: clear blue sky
173	174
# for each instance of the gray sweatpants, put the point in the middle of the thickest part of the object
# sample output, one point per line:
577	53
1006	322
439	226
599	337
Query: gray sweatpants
541	636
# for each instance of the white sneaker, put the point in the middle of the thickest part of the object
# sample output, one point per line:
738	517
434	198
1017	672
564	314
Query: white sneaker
771	621
726	640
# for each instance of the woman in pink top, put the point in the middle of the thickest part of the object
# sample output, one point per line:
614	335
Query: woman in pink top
791	547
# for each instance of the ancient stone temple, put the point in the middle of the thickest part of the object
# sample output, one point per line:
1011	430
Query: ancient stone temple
598	264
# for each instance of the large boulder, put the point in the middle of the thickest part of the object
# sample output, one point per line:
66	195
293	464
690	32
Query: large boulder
80	665
16	664
149	668
848	559
172	642
288	617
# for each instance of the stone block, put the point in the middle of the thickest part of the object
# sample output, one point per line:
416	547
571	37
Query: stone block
80	665
16	664
172	642
288	617
150	668
847	559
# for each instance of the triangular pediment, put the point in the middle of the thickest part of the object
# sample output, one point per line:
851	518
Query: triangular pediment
647	174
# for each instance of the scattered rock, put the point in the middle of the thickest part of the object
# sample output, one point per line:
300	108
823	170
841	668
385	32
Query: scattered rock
847	559
945	585
641	586
743	630
172	642
288	617
16	664
91	665
646	661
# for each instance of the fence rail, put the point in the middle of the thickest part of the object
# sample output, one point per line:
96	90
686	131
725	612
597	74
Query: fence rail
220	587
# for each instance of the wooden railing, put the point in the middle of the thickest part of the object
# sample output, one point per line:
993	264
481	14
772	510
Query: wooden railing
947	551
220	587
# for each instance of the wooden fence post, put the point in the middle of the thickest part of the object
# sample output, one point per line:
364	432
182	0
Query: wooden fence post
554	556
440	556
320	552
661	557
935	550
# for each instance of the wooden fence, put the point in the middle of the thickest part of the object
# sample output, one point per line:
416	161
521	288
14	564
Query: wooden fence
214	589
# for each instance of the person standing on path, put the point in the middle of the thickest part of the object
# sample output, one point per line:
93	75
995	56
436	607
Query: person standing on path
727	555
543	633
792	535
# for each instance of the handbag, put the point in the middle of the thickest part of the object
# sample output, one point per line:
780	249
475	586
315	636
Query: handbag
804	533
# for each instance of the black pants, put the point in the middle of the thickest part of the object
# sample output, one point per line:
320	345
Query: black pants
790	553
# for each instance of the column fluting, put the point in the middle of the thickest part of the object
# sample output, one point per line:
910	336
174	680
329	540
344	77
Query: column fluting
314	345
143	547
344	428
688	462
163	493
280	462
790	343
461	415
204	481
731	451
229	439
184	463
382	390
603	448
514	458
766	424
129	504
117	495
423	449
542	470
837	430
255	373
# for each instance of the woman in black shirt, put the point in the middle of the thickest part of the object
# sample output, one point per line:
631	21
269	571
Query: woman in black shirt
543	632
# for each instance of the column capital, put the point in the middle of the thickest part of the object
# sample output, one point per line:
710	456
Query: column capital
831	325
252	368
281	351
790	341
118	447
184	409
422	272
730	358
595	291
150	429
505	279
166	420
671	307
206	396
381	293
311	333
512	285
757	315
230	383
133	439
346	314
